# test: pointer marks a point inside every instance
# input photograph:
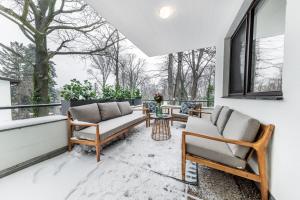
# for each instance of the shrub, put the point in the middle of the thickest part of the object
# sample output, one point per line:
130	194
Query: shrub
78	91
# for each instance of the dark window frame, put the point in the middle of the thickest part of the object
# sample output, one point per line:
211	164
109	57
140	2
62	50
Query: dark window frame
247	93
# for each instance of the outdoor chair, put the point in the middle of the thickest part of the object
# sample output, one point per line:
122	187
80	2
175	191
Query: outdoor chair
226	142
186	109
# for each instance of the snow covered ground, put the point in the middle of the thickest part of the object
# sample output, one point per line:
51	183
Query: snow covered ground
134	168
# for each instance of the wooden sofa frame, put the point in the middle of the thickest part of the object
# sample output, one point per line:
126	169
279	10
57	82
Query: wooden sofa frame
96	143
259	146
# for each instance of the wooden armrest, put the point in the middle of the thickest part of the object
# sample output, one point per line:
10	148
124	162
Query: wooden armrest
81	123
196	111
220	139
206	112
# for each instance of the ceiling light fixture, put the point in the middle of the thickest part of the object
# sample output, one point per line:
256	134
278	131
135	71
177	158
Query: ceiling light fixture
165	12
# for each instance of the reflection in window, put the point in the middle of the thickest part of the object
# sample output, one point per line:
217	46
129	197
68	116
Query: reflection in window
267	64
238	53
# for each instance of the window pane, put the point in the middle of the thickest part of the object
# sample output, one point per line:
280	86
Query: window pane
237	60
268	46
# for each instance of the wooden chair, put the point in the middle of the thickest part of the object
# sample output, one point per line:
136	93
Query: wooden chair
181	117
259	146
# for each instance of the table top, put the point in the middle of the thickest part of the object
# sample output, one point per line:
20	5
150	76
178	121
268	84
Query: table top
163	116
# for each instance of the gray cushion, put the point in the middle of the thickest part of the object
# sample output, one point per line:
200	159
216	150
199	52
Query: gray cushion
109	110
213	150
215	114
241	127
201	125
223	118
87	113
125	108
110	127
180	115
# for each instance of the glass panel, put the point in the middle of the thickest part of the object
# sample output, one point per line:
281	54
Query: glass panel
237	60
268	46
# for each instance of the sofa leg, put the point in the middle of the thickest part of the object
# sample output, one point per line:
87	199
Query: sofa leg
98	152
262	164
183	166
69	146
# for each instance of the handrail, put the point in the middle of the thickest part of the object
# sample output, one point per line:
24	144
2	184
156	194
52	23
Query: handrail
181	100
29	106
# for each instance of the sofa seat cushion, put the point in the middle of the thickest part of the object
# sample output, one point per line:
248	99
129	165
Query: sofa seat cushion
109	110
180	115
214	151
110	127
241	127
201	125
125	108
87	113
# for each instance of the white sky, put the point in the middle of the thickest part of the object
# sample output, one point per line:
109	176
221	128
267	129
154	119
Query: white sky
67	67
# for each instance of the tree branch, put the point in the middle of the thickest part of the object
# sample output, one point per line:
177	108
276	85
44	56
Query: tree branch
14	17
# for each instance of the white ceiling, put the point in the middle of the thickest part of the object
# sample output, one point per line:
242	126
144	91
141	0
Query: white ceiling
194	24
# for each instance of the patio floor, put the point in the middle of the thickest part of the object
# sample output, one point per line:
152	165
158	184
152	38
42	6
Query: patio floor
133	168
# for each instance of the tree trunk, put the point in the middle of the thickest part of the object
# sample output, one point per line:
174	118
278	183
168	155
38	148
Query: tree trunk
41	75
194	88
170	76
117	63
178	85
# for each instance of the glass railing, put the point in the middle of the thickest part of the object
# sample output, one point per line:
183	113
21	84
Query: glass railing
205	103
16	112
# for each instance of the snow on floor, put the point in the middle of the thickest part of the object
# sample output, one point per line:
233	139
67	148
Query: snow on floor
134	168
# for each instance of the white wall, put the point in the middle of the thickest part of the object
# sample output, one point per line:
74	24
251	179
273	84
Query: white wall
21	144
285	146
5	100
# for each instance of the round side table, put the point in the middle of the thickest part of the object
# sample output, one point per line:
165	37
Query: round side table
161	128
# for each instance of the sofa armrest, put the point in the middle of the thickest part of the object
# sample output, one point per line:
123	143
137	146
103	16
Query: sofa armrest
220	139
198	112
81	123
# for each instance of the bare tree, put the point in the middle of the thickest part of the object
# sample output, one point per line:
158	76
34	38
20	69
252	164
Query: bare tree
100	69
198	60
71	24
170	76
178	82
134	71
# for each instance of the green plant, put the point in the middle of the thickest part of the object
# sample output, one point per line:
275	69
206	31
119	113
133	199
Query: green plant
78	91
136	94
108	93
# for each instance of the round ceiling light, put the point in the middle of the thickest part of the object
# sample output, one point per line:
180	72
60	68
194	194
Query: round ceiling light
165	12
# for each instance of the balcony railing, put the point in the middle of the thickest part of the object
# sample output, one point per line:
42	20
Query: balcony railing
205	103
16	112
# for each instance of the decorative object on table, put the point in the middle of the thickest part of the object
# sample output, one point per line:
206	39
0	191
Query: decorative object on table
161	128
158	98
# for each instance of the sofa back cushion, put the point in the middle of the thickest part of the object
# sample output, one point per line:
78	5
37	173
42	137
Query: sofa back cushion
125	108
215	114
87	113
241	127
186	106
223	118
151	105
109	110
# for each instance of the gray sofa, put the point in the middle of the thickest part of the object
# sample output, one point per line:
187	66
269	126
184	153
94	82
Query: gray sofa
225	123
96	124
